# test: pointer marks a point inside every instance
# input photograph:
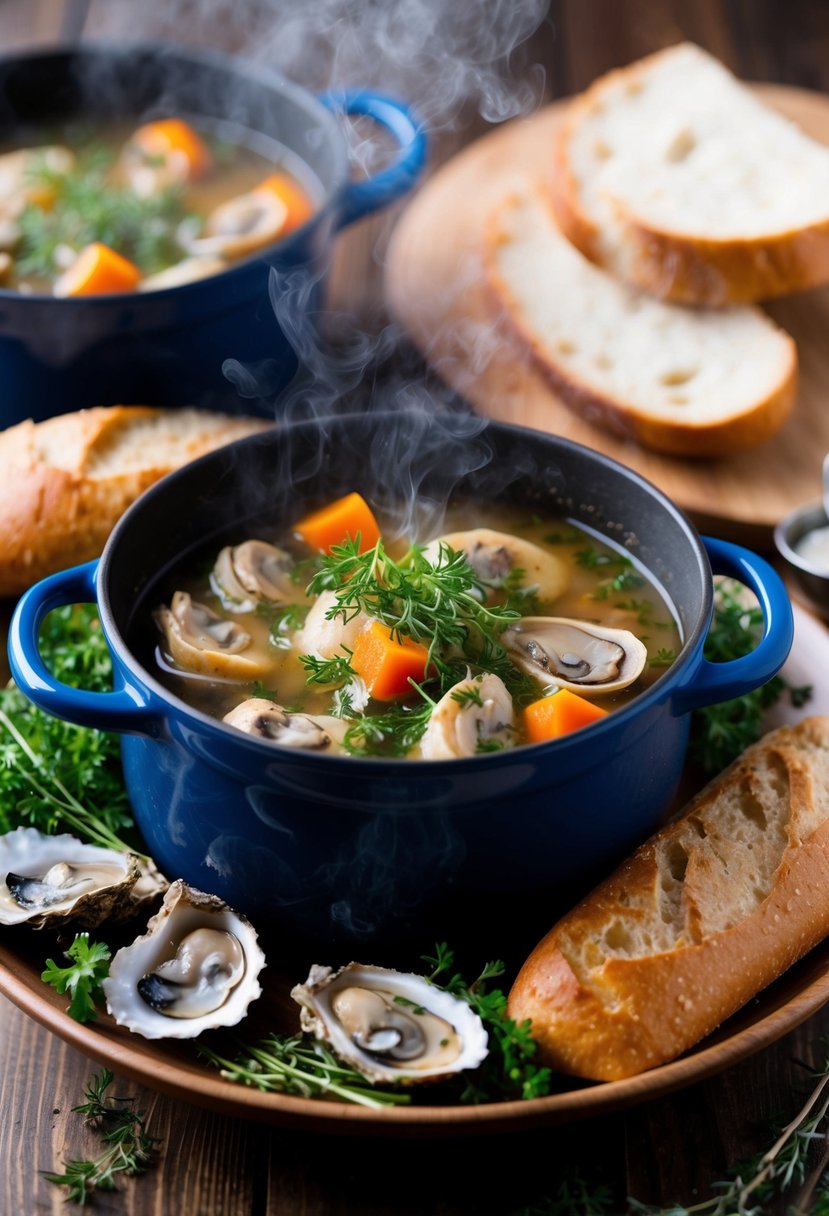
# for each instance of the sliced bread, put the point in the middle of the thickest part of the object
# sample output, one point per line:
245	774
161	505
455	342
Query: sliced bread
694	382
672	174
67	481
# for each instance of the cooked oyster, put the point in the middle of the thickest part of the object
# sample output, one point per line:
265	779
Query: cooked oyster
253	571
195	968
390	1025
52	880
494	556
266	720
563	653
200	640
238	226
475	715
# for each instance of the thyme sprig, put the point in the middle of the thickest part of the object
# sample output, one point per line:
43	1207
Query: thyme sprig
129	1146
294	1065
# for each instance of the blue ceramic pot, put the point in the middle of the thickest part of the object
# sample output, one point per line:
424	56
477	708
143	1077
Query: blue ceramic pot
169	347
336	847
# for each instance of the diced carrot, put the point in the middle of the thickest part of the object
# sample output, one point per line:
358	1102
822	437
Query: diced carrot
97	270
559	714
174	136
347	517
292	195
386	664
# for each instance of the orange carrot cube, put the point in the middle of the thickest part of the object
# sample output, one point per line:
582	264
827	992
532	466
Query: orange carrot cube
384	664
559	714
348	517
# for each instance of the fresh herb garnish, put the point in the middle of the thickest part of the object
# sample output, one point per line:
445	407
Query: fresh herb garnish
662	658
392	732
439	603
509	1071
129	1148
282	620
86	206
720	733
83	979
337	670
294	1065
55	776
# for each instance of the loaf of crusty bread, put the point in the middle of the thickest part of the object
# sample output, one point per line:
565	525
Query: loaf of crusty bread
65	482
676	177
690	381
698	920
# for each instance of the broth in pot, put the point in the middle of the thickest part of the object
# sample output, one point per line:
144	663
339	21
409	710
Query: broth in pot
502	631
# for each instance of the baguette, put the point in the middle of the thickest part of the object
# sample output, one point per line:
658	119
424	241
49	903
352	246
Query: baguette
697	921
674	176
691	382
66	481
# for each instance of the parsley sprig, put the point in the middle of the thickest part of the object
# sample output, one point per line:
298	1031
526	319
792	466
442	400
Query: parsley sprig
509	1071
55	776
83	978
129	1146
719	733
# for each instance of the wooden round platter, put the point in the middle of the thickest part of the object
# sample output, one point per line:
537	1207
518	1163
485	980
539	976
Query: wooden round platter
174	1068
434	287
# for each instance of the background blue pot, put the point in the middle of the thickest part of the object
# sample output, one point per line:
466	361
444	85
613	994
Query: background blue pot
168	347
363	849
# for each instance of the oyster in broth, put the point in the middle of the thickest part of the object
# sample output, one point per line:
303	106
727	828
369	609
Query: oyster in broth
586	658
392	1026
195	968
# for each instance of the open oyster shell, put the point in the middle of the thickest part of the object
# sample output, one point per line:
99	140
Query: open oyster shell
195	968
394	1027
586	658
53	880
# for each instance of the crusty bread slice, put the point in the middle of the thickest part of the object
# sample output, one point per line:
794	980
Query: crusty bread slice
695	382
698	920
66	481
674	176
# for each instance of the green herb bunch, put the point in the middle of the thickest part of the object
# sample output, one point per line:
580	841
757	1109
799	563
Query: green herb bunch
83	978
55	776
719	733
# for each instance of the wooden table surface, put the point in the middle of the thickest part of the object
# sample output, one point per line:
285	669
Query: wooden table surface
663	1152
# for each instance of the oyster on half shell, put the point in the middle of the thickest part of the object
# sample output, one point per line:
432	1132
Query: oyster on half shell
53	880
390	1025
195	968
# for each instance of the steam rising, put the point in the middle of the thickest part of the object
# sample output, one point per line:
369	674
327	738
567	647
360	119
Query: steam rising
439	55
450	60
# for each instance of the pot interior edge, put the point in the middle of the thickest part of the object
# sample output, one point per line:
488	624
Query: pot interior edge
408	465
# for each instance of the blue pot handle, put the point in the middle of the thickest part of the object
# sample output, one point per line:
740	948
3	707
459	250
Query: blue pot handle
127	709
361	198
710	682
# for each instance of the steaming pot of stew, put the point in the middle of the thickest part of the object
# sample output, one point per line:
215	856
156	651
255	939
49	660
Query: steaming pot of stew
356	712
158	208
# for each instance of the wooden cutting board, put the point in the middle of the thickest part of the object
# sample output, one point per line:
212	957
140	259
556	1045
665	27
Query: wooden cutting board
434	287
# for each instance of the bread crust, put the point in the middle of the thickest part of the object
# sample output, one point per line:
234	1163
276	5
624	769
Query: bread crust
677	437
57	509
683	268
634	1013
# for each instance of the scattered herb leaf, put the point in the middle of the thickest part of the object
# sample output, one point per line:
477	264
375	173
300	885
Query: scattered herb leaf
129	1150
82	980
